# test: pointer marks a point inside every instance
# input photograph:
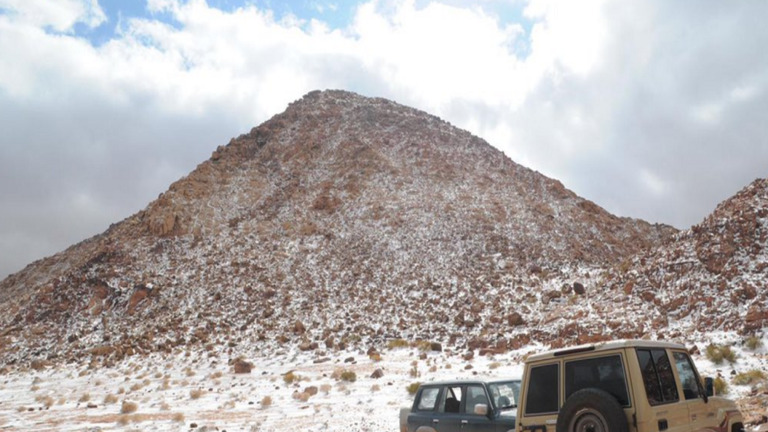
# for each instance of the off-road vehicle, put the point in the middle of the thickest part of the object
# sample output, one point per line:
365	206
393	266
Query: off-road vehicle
621	386
467	406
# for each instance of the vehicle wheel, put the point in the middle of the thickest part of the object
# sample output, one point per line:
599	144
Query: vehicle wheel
592	410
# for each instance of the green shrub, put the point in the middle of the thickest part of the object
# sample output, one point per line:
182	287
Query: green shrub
749	377
717	353
412	388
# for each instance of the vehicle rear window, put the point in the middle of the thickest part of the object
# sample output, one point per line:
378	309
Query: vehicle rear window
543	390
604	373
428	399
658	378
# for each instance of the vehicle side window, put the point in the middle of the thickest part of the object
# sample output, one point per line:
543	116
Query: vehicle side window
604	373
688	377
452	399
659	381
543	390
475	395
428	399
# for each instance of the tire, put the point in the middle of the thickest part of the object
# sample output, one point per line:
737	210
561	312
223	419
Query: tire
592	410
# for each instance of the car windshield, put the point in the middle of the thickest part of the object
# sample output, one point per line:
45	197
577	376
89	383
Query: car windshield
505	393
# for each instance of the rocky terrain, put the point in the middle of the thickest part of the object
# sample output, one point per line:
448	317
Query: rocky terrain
346	223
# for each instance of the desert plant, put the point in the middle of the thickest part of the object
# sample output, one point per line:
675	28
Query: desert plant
196	393
85	397
128	407
178	417
348	376
718	353
412	388
746	378
291	377
754	342
494	365
266	401
110	399
397	343
721	387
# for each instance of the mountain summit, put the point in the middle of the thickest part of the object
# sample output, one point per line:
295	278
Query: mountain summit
343	221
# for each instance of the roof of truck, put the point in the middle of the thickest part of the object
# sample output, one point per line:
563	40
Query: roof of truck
604	346
467	381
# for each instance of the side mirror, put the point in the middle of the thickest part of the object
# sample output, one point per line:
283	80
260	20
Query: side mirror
709	385
481	409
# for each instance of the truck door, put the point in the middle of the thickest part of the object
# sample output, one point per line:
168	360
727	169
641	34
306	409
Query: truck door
700	417
470	421
667	413
424	411
452	406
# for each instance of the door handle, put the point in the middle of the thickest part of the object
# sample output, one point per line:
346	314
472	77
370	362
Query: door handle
435	421
463	422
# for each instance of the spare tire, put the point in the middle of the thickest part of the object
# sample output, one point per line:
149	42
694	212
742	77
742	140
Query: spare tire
592	410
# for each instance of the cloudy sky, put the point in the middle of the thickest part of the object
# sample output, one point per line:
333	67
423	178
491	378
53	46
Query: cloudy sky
654	109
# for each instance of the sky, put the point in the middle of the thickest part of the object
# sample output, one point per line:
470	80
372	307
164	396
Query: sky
653	109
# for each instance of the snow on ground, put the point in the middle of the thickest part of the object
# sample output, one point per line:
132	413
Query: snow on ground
201	392
173	393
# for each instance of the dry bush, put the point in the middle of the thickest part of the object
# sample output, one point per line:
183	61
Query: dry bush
301	396
164	406
397	343
325	388
47	401
128	407
189	372
749	377
717	353
412	388
291	377
754	342
196	393
348	376
110	399
266	401
178	417
217	375
494	365
721	387
85	397
375	388
340	374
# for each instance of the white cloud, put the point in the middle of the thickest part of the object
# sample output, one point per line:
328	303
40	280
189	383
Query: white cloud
633	104
60	15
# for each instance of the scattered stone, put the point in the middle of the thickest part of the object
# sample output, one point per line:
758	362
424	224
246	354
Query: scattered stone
578	288
242	366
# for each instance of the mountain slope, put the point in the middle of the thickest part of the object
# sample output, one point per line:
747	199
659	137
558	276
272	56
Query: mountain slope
344	221
713	276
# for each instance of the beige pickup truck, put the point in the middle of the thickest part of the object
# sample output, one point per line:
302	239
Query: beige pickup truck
621	386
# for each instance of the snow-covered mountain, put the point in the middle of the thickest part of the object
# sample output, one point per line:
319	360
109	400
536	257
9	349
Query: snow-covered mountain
350	225
343	221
